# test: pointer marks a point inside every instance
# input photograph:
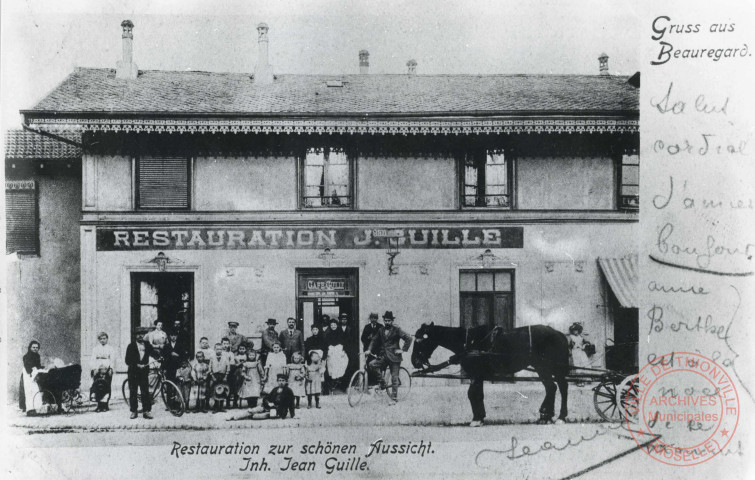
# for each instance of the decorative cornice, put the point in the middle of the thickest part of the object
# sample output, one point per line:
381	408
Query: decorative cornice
20	185
345	126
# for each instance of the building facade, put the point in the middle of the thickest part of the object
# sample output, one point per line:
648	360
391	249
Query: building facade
458	199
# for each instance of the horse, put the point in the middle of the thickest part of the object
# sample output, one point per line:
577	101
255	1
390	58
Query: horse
488	352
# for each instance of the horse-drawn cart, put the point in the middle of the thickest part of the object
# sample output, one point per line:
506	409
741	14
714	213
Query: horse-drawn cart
613	395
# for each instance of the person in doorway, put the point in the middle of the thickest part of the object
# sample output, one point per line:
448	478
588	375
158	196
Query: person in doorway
138	356
291	340
173	356
269	338
335	365
350	346
314	343
157	337
234	337
102	367
183	337
385	346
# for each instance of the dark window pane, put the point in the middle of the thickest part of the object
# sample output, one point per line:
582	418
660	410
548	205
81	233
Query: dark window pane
21	217
163	183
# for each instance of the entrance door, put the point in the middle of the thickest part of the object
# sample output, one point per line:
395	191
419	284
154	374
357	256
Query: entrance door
163	296
327	291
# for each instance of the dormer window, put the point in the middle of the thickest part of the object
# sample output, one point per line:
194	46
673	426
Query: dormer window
326	179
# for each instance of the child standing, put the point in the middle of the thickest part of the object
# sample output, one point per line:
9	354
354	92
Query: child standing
252	385
276	365
200	373
219	367
314	378
204	347
236	376
296	375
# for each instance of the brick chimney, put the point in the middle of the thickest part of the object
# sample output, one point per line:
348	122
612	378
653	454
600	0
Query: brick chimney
603	64
411	66
126	68
364	62
263	72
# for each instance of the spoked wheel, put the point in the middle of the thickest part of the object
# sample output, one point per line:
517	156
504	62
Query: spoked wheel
628	398
357	385
71	401
44	403
604	400
154	384
404	382
173	399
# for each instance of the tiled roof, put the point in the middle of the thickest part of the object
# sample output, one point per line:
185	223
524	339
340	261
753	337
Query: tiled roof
21	144
98	91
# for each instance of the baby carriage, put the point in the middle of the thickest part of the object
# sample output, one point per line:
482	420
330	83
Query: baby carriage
59	390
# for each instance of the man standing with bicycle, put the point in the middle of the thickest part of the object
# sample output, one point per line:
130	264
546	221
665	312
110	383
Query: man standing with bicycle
138	357
385	344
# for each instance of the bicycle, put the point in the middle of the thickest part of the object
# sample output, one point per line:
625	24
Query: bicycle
359	385
159	384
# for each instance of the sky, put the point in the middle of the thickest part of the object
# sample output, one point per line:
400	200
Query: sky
44	40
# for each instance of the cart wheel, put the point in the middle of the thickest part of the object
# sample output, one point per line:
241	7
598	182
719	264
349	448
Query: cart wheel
604	400
627	397
404	382
172	398
44	403
357	385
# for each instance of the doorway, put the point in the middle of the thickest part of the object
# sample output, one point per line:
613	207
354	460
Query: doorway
166	297
327	291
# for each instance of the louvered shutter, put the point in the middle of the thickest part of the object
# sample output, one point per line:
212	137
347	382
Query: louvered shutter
163	182
21	217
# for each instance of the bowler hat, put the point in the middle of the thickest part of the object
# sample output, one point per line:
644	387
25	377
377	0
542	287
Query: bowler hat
141	329
388	314
272	321
373	315
283	376
233	324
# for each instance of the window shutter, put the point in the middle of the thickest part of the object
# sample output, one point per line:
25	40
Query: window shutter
163	183
21	217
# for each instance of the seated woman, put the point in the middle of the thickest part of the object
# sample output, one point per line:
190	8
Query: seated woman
28	387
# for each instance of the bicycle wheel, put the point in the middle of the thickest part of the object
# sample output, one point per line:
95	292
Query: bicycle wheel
404	382
125	390
172	398
357	384
155	382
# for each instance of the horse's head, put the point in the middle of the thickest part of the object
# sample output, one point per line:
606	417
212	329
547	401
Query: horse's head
424	346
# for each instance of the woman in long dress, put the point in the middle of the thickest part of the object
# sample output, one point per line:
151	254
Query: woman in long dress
28	387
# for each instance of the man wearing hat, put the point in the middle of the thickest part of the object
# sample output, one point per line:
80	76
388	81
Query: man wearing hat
138	355
269	338
385	345
235	338
291	339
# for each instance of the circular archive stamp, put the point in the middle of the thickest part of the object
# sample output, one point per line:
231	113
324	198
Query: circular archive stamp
688	403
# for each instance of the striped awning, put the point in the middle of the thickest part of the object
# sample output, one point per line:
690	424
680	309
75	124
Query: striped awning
622	276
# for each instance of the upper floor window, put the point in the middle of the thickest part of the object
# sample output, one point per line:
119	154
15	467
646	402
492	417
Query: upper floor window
163	183
487	180
629	195
22	221
327	179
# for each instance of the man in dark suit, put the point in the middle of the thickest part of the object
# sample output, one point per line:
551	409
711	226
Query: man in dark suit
386	346
369	332
174	353
269	338
280	398
138	355
291	340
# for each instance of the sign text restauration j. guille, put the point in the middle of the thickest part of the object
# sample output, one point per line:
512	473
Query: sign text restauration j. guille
189	238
